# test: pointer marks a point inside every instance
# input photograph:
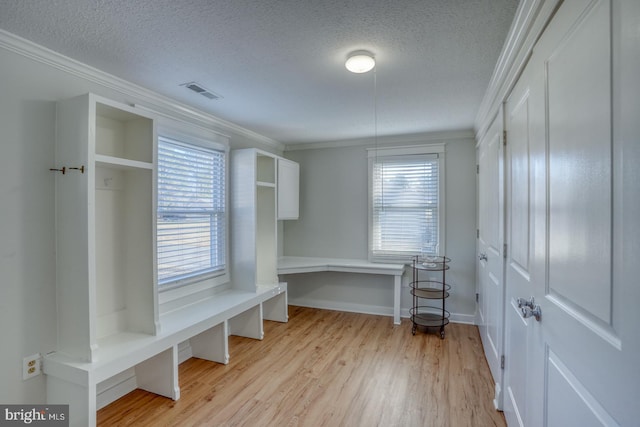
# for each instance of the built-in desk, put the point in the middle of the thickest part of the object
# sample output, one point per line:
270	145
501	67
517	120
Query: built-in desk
296	265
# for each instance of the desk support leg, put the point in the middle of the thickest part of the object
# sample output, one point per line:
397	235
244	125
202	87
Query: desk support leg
397	282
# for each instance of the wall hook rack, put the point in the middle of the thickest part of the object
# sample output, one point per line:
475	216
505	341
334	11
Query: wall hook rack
81	169
63	170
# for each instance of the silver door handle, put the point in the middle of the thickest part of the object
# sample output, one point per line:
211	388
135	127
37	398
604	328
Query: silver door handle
536	312
483	256
526	303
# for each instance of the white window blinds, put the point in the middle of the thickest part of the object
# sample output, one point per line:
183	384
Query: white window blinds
405	206
191	211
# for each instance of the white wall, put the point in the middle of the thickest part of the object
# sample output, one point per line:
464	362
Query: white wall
333	223
29	89
27	258
333	204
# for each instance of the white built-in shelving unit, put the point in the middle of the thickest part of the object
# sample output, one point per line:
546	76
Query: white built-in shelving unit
109	328
253	228
259	189
105	226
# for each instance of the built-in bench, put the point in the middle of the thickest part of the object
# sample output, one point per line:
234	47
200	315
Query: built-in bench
206	324
295	265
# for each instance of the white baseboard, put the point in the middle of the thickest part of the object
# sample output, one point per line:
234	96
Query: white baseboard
115	387
342	306
184	352
467	319
497	401
369	309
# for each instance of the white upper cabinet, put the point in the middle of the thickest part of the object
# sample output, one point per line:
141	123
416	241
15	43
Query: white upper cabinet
288	189
105	227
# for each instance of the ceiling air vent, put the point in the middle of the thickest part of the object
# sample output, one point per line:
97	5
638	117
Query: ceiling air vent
198	88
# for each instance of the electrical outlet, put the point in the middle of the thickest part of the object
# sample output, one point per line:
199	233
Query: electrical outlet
31	366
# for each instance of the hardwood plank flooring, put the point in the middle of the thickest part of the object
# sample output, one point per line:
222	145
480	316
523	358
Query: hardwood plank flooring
328	368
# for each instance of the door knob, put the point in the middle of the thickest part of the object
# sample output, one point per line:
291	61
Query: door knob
536	312
526	303
483	256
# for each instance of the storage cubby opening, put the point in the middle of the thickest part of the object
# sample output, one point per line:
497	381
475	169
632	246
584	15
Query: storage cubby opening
266	244
124	251
266	169
124	135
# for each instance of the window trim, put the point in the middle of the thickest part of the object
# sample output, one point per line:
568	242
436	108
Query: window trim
184	287
405	151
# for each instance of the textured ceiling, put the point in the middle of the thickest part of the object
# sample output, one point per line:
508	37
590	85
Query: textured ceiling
279	64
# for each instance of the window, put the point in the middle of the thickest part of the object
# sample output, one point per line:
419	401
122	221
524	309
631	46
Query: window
405	202
191	215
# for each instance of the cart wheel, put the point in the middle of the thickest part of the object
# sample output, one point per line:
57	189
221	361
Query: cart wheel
413	330
441	333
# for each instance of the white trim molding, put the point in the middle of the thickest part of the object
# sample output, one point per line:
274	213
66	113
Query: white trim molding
529	22
419	138
411	150
377	310
152	100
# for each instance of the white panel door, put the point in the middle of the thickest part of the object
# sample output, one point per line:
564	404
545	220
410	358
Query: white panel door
576	113
490	243
518	340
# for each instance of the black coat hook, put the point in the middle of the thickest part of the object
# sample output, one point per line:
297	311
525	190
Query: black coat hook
81	169
63	170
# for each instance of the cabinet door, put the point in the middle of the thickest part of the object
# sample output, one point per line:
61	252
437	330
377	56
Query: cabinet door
288	189
490	248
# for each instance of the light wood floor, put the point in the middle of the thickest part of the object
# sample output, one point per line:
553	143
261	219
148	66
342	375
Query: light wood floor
328	368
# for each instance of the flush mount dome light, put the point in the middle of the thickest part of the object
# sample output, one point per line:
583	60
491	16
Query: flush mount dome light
360	62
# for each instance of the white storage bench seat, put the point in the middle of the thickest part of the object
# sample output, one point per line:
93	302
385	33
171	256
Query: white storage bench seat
206	324
296	265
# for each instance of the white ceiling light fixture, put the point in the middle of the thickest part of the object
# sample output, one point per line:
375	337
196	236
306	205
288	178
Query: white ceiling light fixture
360	62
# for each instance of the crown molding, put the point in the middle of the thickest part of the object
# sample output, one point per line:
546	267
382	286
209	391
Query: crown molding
416	138
33	51
530	20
